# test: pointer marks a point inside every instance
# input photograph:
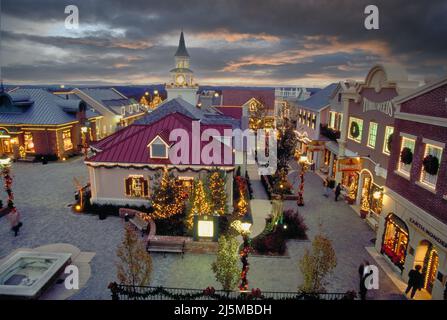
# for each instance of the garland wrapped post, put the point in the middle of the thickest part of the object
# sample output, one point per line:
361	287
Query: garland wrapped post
243	286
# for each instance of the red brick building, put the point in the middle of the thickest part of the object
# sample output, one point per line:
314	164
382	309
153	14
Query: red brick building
35	123
413	227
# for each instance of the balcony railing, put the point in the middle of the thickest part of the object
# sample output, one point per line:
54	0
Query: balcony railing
126	292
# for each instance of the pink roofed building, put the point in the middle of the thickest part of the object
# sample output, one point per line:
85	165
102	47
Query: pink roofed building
124	164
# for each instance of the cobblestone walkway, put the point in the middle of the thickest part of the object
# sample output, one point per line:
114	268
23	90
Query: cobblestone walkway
43	191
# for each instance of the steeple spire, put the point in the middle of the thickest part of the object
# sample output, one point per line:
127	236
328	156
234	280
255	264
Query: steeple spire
181	50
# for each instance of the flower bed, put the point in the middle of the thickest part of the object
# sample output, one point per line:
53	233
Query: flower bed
273	241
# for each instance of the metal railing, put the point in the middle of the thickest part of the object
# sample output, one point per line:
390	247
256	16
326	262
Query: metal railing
127	292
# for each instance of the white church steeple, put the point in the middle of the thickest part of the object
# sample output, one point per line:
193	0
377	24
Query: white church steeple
182	80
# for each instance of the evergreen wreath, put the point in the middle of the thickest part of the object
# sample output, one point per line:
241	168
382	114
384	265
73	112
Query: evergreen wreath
354	130
389	142
406	156
431	164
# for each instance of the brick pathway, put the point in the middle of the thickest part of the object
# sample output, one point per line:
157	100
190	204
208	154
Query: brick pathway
43	191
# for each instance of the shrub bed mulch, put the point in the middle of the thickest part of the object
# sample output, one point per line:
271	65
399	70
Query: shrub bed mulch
274	242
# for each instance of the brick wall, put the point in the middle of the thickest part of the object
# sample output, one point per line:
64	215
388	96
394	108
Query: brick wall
430	104
430	202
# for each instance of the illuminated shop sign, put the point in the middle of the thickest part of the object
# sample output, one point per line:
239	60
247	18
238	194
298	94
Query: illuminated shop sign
428	232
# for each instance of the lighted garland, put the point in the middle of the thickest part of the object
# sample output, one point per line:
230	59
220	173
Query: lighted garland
354	130
151	168
431	164
8	187
406	156
245	265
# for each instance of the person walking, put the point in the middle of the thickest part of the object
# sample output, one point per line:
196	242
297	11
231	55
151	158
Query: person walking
363	290
14	220
337	191
326	187
415	281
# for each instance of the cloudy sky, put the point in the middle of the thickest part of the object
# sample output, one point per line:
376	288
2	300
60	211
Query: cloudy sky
246	42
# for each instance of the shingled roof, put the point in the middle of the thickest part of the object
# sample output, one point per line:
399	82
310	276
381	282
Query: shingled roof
320	99
205	115
181	50
38	106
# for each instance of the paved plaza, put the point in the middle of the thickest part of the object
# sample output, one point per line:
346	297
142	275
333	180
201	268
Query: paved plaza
42	193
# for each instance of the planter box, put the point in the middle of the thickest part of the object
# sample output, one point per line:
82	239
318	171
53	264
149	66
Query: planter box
363	214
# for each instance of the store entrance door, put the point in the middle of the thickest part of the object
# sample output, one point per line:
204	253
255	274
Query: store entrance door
427	257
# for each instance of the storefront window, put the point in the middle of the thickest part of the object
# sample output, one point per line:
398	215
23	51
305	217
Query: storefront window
136	187
395	240
66	138
376	199
29	143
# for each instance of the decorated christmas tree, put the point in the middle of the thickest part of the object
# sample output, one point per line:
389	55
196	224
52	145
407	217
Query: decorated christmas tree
216	192
168	198
199	202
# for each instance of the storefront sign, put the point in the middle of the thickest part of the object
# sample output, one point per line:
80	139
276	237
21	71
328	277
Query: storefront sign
349	164
428	232
384	107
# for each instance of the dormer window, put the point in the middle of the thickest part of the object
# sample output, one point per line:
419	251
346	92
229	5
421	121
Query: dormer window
123	111
158	149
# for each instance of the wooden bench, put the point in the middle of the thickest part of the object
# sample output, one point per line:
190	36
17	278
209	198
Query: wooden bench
163	246
139	223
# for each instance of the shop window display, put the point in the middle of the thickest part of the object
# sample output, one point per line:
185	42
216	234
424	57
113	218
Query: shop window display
395	240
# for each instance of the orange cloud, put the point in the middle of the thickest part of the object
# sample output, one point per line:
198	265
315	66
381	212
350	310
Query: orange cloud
236	37
332	46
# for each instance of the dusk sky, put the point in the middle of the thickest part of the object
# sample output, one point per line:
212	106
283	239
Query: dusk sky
277	42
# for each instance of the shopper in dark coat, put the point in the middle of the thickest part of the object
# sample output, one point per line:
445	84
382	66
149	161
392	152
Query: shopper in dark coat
337	191
415	281
363	290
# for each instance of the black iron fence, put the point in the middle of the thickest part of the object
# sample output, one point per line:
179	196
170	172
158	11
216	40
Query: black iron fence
126	292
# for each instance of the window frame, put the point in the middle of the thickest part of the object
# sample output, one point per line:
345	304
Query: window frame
151	154
360	121
64	132
423	174
27	141
400	165
368	143
385	140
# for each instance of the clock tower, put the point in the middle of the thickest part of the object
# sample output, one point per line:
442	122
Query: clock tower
182	81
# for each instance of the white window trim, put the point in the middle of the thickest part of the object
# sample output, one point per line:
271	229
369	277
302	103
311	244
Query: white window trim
408	136
349	133
434	143
399	164
150	148
369	135
385	140
429	186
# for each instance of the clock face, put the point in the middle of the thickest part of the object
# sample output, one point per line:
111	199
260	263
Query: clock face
180	79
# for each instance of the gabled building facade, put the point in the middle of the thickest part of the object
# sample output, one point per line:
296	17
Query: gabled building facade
117	110
412	228
36	123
